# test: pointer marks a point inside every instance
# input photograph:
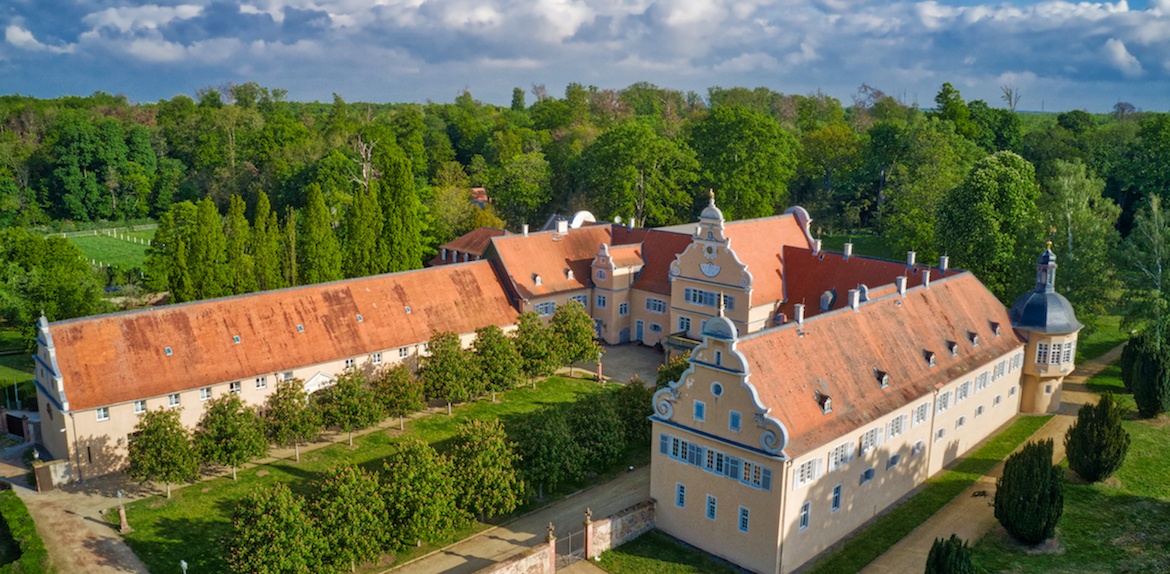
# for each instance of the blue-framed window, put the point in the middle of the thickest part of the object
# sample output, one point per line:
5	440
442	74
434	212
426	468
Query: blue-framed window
744	516
680	494
867	475
734	420
836	498
894	460
805	514
700	411
710	507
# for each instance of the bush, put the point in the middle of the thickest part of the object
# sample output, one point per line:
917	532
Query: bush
1145	371
34	557
1096	444
949	556
1029	497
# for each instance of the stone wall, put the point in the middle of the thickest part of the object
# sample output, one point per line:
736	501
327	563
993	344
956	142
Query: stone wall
615	530
539	560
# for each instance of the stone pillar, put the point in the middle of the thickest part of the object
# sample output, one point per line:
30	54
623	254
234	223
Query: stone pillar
552	550
590	551
4	419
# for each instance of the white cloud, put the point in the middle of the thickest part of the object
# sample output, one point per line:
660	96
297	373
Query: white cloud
748	63
126	19
24	39
1121	59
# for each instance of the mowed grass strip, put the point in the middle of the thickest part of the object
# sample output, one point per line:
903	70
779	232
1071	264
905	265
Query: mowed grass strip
658	553
1120	525
111	251
1106	334
864	547
195	523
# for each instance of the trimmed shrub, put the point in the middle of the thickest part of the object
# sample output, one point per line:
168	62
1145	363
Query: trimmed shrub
34	558
1029	497
1145	371
949	556
1097	444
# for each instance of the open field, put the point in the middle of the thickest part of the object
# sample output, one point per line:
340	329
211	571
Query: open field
1120	525
858	551
111	251
193	524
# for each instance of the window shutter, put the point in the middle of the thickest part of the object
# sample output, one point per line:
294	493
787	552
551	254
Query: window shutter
817	474
733	468
692	453
701	456
663	443
766	477
851	451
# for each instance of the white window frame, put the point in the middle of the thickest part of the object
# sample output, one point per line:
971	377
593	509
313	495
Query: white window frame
376	358
944	401
806	473
174	400
349	364
921	413
835	499
684	324
205	394
655	305
582	299
623	309
871	439
655	328
235	387
805	514
711	507
680	495
744	519
841	455
962	392
601	302
139	406
103	414
403	352
545	309
1041	353
262	380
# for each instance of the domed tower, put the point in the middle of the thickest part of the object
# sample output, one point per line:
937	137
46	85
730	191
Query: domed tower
1046	319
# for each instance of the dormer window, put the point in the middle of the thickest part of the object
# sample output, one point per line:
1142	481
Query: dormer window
569	274
882	377
953	347
825	402
995	329
974	338
536	280
929	356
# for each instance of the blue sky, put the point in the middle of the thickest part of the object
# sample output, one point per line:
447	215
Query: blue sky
1060	55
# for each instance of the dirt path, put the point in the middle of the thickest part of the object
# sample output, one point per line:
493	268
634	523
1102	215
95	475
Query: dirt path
970	516
77	537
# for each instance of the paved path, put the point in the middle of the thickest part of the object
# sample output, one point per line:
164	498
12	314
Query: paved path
525	532
971	517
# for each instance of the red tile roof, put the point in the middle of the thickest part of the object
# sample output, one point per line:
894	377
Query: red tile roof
758	244
121	357
474	242
807	276
626	255
659	249
479	196
839	351
549	254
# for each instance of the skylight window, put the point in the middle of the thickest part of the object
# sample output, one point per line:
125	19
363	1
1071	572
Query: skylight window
168	351
359	318
236	338
300	328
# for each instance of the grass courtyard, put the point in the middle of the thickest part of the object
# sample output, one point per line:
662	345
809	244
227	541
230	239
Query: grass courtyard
1120	525
194	523
111	251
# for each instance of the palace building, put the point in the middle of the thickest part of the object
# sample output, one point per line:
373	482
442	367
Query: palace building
822	387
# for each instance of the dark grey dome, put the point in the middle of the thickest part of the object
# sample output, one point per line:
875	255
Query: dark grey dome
1043	310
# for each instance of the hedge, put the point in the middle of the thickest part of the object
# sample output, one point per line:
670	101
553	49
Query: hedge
34	558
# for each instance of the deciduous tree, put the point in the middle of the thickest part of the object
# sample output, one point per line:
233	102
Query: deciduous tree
549	452
1146	262
350	513
420	493
160	449
272	533
229	433
349	404
488	481
399	391
498	360
574	335
633	403
447	372
289	417
535	343
599	430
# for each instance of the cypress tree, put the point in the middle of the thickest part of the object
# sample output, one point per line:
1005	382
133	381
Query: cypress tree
288	249
1097	444
402	231
1145	371
206	252
162	262
240	267
949	556
361	229
318	254
266	246
1029	497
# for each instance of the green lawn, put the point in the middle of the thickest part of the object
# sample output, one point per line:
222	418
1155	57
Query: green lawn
1121	525
657	553
193	524
11	340
863	244
111	251
1105	335
858	551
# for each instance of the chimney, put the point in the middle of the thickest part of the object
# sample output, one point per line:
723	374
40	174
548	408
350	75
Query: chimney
698	231
848	250
943	263
910	259
562	226
798	311
854	299
816	247
631	223
926	278
524	229
900	283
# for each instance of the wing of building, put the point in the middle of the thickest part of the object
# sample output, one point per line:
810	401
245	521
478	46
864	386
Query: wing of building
822	387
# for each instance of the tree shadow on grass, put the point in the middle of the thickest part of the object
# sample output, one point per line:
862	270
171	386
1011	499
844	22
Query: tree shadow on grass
198	542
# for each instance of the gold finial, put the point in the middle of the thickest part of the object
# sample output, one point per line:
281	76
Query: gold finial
1050	246
711	193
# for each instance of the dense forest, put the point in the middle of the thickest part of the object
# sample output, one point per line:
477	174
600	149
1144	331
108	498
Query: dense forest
251	191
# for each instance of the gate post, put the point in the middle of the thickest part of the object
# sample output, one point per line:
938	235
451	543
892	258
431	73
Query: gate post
552	550
589	554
